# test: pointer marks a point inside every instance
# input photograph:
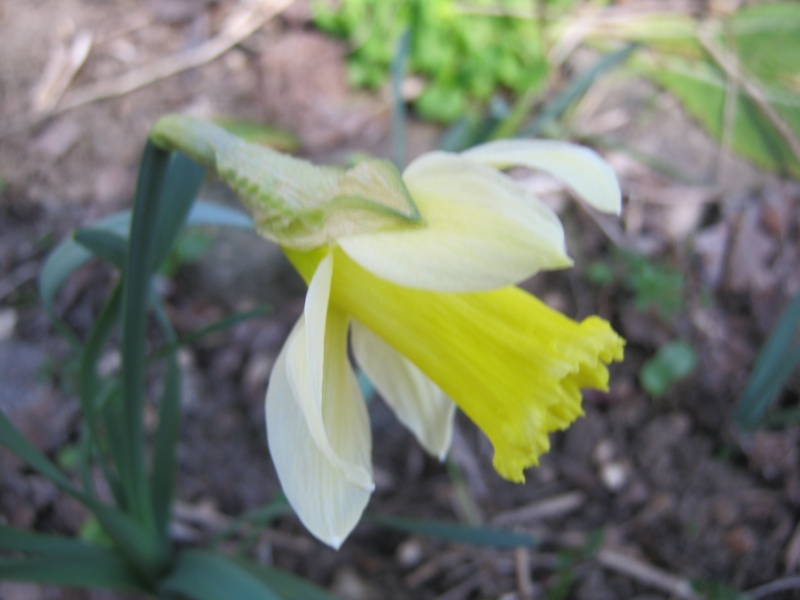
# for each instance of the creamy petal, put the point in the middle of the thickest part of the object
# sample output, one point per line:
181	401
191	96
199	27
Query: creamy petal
581	168
482	231
418	402
327	481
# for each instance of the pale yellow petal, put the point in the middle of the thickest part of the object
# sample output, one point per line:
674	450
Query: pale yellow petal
515	366
581	168
481	231
319	484
418	402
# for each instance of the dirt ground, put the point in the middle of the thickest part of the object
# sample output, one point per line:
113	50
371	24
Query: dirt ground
636	500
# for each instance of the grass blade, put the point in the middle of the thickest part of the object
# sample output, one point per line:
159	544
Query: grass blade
104	569
181	185
577	88
164	463
286	585
775	363
135	291
458	533
398	69
26	541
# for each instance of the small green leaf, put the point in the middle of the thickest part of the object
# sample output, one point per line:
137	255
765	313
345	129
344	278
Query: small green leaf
458	533
672	363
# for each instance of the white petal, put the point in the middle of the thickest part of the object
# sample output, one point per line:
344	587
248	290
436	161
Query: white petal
482	231
418	402
581	168
322	478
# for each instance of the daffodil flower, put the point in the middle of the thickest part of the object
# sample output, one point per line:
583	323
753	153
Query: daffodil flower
428	299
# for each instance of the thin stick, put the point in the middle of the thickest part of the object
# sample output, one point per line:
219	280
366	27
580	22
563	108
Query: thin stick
647	574
238	26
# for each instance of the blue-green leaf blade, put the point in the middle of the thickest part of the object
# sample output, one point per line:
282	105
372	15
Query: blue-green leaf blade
207	576
103	569
458	533
286	585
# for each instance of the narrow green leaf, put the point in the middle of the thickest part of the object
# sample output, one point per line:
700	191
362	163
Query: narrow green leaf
181	185
222	324
577	88
65	259
206	576
457	533
136	290
89	385
775	363
262	516
398	70
103	569
286	585
27	541
126	533
702	88
69	255
14	441
164	461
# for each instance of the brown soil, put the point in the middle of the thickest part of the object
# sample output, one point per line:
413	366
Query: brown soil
638	483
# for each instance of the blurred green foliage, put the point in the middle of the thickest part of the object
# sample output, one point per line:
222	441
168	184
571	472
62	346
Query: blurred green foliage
465	54
654	284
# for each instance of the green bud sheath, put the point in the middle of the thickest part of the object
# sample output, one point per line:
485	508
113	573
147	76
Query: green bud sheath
293	202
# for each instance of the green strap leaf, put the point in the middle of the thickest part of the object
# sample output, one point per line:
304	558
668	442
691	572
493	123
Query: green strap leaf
458	533
91	390
206	576
179	191
104	244
126	533
19	540
164	461
286	585
775	363
135	295
103	569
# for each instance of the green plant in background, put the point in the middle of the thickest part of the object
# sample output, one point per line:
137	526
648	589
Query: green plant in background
737	75
654	285
465	54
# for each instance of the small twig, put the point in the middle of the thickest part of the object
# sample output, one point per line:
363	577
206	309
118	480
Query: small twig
647	574
17	277
733	70
545	509
779	585
522	566
62	67
791	557
238	26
